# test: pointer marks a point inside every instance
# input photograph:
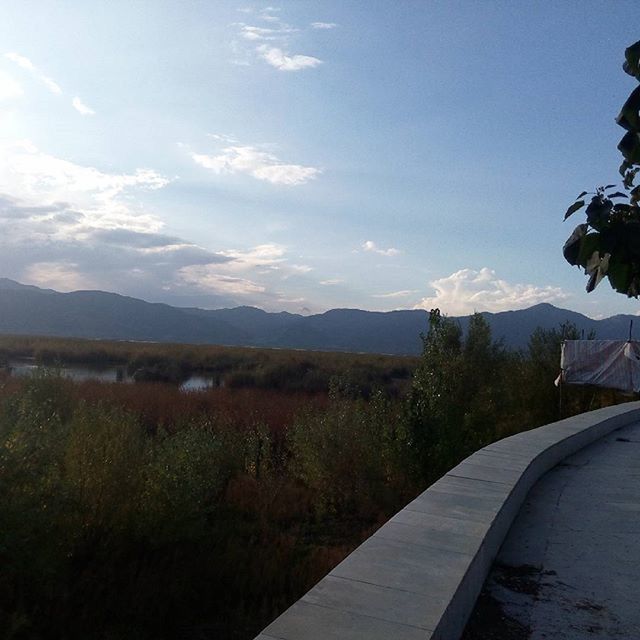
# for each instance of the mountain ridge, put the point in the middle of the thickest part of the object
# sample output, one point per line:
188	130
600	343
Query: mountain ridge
26	309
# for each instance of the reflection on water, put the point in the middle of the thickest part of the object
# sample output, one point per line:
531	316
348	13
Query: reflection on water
197	383
22	368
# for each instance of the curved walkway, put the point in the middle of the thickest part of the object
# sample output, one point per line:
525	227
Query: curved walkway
569	568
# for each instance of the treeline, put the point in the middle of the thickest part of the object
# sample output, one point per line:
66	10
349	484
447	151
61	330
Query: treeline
132	513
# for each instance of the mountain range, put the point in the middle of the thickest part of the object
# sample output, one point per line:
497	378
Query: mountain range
26	309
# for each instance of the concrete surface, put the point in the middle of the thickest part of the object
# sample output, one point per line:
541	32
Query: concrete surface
569	568
419	575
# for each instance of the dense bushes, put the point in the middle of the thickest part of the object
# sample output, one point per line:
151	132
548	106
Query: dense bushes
207	527
132	513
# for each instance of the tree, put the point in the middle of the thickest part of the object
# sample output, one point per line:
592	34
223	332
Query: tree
456	394
608	244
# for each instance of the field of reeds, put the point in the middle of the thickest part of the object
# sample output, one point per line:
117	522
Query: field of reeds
236	367
142	512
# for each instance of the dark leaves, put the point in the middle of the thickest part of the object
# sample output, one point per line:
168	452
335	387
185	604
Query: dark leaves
573	208
632	60
608	245
571	249
629	117
629	147
598	211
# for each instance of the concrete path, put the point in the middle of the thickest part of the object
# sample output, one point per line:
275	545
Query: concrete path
569	568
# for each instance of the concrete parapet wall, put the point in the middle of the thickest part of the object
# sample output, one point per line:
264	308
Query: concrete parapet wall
419	575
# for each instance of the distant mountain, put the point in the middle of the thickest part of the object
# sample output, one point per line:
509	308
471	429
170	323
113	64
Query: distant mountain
25	309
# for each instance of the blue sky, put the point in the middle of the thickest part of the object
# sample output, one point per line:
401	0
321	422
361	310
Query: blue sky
308	155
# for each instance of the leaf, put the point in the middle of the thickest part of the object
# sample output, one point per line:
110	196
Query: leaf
617	194
629	118
609	186
619	276
573	208
598	212
629	147
624	167
571	249
622	208
584	193
593	282
589	245
632	60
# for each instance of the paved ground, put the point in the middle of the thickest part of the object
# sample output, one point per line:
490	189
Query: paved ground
570	566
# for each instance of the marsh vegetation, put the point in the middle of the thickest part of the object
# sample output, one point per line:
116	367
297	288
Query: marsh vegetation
142	511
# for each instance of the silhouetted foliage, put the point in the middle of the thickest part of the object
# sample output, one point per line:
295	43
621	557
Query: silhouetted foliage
608	244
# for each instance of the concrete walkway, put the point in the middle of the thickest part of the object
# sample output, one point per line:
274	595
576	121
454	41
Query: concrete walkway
569	568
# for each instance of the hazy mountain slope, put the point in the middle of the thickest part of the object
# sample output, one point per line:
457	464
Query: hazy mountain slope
96	314
355	330
515	327
259	324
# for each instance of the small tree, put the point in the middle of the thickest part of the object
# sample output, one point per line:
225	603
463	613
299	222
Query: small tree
456	393
608	244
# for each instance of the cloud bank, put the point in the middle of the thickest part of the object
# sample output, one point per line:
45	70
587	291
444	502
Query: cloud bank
467	291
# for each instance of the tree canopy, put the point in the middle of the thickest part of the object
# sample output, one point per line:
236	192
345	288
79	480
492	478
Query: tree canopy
608	243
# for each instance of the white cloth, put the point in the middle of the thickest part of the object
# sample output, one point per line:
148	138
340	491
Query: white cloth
614	364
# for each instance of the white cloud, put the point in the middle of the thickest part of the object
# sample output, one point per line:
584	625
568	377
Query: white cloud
69	226
253	33
61	276
369	245
266	260
82	108
208	277
263	256
259	164
51	85
273	41
40	178
283	62
26	64
467	291
21	61
331	282
395	294
9	87
222	137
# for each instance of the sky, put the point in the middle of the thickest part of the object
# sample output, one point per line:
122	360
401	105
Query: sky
307	155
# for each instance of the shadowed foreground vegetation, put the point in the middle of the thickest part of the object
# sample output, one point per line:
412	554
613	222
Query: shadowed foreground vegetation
140	512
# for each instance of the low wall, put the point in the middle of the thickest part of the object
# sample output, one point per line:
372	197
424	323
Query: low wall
419	575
